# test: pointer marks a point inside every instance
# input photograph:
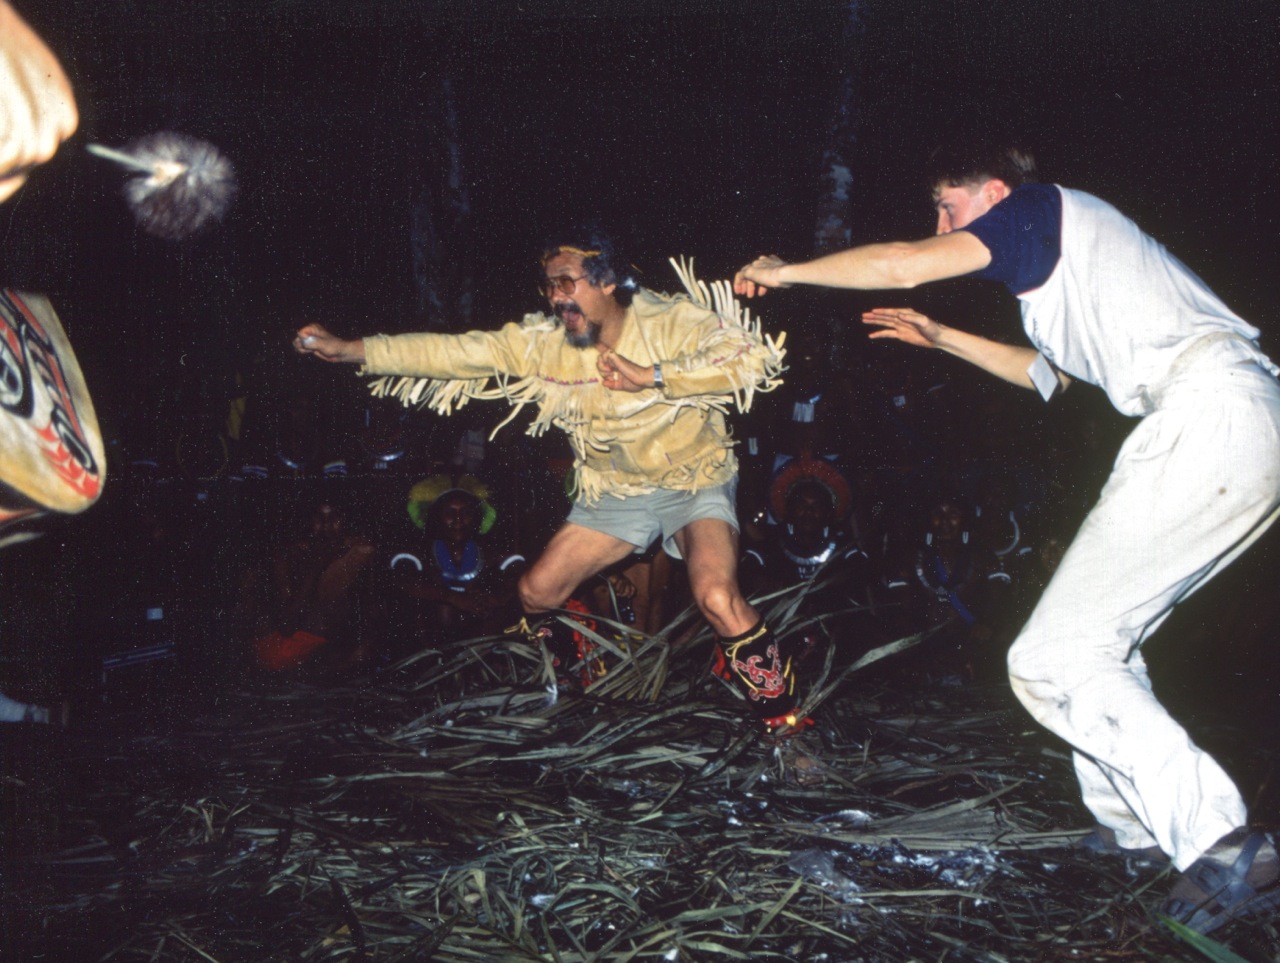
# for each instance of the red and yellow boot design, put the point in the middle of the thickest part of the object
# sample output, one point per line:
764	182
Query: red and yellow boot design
567	646
753	662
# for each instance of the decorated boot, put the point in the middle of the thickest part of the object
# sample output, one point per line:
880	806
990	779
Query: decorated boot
567	646
754	664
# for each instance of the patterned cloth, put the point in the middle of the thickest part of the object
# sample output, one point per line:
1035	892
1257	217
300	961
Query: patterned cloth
50	448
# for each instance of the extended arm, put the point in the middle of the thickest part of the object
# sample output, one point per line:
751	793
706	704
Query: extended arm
1008	361
871	267
476	354
315	339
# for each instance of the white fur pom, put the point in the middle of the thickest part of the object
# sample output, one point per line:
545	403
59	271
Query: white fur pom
189	188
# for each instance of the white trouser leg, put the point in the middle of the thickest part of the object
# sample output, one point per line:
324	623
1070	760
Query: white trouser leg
1100	793
1191	484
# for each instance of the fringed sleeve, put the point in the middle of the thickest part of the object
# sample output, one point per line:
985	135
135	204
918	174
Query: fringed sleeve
443	372
728	354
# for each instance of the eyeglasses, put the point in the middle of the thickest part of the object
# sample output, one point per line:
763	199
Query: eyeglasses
561	282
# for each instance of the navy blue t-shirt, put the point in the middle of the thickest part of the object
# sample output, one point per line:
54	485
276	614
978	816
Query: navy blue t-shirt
1024	235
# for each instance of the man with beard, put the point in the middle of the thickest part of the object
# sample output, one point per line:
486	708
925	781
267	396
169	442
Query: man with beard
640	383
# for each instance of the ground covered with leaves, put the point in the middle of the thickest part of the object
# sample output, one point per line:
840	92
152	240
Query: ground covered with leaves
458	806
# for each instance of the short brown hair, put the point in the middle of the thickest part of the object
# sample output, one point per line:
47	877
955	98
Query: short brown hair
960	162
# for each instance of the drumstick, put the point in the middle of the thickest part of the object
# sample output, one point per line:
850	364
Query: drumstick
189	184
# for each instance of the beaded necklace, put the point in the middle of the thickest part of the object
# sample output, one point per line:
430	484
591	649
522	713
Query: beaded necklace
456	576
946	581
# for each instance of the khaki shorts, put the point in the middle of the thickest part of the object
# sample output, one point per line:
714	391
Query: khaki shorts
639	519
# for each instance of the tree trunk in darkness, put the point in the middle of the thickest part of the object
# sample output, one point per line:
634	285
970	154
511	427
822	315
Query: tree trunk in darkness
441	229
833	231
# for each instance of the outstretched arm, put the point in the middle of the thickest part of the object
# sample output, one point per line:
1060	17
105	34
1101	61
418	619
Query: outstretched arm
475	354
871	267
315	339
1008	361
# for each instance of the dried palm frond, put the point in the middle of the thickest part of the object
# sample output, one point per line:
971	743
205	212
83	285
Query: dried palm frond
452	809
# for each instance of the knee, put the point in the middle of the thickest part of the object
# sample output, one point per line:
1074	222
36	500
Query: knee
1040	672
717	601
1019	657
537	595
1025	658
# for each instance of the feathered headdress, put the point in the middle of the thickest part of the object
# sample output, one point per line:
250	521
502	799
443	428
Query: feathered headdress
807	468
430	490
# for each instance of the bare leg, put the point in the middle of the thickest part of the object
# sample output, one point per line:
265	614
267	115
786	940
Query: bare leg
573	555
710	550
748	650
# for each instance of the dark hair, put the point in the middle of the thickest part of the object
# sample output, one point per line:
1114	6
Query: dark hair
601	259
975	160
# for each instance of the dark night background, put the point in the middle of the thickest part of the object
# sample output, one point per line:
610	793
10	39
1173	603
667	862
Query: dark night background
690	128
693	128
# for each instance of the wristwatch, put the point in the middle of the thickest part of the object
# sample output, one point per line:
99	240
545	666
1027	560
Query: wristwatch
658	381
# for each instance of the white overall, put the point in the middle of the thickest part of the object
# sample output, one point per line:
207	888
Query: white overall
1197	479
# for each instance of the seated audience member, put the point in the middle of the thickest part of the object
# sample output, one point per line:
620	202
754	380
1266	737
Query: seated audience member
810	500
451	585
322	604
944	585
